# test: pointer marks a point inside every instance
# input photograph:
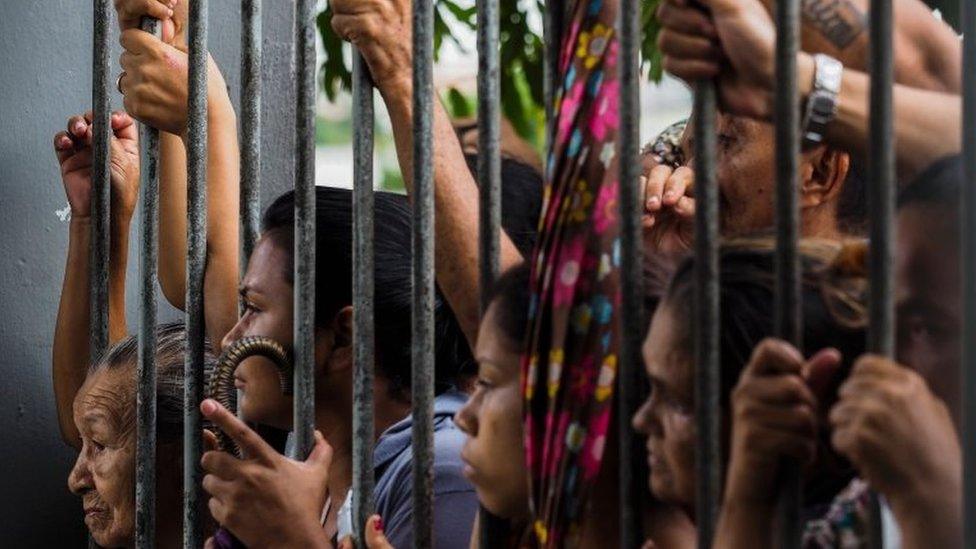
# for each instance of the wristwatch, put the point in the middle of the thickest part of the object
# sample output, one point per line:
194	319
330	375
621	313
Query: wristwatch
821	104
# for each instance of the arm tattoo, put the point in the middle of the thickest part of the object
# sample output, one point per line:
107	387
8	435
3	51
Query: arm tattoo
839	21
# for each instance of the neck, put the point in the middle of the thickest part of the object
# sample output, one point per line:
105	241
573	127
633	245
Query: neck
821	222
335	423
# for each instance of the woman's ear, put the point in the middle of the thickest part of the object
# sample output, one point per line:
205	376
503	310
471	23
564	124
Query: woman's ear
342	327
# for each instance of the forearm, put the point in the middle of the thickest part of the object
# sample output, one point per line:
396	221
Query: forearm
71	350
743	526
223	176
456	207
930	514
928	52
118	263
926	123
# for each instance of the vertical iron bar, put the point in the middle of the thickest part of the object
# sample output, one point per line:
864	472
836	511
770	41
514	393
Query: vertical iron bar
304	400
423	275
251	53
552	22
362	292
146	365
788	321
632	314
968	259
881	204
489	151
709	456
101	185
193	498
492	528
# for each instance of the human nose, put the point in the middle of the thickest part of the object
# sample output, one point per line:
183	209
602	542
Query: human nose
466	418
233	335
79	479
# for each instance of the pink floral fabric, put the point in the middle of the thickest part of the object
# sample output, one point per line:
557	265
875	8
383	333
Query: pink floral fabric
570	361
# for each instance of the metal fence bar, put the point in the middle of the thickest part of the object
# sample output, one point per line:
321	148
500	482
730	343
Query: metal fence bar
881	203
251	53
423	274
304	399
552	22
146	365
632	313
101	185
968	258
193	499
707	412
489	147
362	291
788	320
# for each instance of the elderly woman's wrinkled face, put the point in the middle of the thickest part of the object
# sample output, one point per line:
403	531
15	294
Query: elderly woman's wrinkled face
667	417
493	454
104	474
266	305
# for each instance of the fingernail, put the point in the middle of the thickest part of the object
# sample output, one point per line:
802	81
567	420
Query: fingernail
653	201
77	127
208	406
378	525
669	195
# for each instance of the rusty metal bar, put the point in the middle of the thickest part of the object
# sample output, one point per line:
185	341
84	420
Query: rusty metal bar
101	184
251	54
788	319
304	400
968	259
146	365
489	147
631	274
707	386
193	498
363	292
423	274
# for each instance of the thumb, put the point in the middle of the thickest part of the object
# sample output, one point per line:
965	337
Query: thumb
169	30
821	372
321	455
375	538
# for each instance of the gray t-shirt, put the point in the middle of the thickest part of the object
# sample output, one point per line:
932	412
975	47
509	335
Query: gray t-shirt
455	501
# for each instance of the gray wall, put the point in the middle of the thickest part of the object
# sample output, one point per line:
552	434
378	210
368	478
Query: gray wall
45	76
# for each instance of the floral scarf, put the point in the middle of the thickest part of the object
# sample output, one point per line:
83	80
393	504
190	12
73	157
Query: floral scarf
570	361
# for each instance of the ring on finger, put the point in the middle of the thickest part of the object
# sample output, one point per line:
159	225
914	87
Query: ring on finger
118	82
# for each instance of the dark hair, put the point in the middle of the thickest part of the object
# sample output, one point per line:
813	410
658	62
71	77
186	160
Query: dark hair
833	292
939	184
521	201
170	358
852	204
392	279
510	298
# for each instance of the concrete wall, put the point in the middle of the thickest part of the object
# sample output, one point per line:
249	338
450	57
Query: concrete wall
45	76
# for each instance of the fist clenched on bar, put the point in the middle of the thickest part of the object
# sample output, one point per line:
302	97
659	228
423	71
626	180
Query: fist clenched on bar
381	31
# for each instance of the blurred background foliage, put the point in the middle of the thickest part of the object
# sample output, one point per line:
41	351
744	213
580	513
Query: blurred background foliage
521	50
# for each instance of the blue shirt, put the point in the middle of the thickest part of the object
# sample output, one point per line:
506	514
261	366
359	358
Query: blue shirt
455	501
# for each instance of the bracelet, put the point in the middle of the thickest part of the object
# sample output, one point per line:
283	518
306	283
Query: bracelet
821	105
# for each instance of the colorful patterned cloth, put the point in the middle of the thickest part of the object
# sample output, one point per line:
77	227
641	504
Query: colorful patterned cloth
846	523
570	361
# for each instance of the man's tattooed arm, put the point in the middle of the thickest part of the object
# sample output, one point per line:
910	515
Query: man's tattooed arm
839	21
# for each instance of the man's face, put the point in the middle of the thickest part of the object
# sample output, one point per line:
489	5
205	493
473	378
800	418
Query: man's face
104	473
928	299
745	169
267	305
667	417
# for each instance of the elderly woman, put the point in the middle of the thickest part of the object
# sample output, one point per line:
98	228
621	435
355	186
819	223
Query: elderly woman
96	403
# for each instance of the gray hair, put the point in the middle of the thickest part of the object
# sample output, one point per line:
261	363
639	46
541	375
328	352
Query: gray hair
170	356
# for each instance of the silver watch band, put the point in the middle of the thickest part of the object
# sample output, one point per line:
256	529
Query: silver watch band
821	105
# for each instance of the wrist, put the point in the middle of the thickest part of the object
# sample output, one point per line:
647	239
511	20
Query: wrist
805	70
396	86
80	221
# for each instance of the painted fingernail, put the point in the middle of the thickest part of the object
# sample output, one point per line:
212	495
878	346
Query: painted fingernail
378	525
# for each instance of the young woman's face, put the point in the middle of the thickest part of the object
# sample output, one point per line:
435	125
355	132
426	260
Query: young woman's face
492	418
667	417
266	310
927	299
104	473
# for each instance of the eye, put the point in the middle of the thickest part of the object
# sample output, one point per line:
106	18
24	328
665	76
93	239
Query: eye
97	447
483	383
248	307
